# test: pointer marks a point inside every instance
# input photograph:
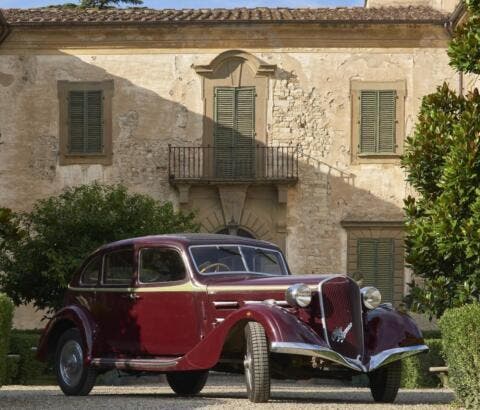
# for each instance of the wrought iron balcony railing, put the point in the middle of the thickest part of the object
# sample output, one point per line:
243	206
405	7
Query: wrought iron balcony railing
249	163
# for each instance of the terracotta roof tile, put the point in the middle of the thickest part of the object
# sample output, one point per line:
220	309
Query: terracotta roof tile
59	16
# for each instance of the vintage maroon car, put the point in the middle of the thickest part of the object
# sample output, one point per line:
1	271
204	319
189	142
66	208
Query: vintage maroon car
186	304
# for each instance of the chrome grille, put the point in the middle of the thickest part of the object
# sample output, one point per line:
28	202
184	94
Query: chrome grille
341	311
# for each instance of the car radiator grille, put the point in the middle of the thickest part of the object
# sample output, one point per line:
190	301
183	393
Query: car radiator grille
341	310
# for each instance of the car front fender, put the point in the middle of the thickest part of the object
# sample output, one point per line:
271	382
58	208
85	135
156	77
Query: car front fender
279	324
386	329
66	318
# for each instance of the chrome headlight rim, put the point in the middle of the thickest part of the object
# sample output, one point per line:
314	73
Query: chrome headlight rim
371	297
299	295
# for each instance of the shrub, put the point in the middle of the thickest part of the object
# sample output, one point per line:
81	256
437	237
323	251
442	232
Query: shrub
49	243
6	314
415	369
461	343
28	370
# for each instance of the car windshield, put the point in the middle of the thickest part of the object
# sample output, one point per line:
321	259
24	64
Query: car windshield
210	259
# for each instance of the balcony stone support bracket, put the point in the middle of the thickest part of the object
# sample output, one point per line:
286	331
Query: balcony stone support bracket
232	198
184	193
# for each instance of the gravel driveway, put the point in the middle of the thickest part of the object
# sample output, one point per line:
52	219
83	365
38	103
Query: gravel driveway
224	393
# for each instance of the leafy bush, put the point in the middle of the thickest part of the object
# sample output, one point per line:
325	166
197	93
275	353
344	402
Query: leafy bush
6	314
415	369
461	344
43	248
29	370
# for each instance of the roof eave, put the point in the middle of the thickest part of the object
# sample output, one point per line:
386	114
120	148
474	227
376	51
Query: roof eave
440	22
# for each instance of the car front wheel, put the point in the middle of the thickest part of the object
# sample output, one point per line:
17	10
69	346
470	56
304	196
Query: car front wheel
187	383
73	376
256	363
385	382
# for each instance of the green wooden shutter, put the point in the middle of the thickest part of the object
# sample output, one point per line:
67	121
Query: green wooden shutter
375	262
244	159
377	121
387	105
368	121
85	114
234	132
224	118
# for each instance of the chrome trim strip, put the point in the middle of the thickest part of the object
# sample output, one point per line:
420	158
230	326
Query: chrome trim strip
391	355
184	287
250	288
273	302
134	364
221	304
376	361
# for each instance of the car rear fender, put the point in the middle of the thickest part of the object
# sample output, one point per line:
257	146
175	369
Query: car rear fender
66	318
280	326
389	329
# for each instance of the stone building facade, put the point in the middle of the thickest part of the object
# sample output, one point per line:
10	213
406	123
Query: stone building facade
282	124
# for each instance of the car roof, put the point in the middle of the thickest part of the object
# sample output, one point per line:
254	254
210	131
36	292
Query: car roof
188	239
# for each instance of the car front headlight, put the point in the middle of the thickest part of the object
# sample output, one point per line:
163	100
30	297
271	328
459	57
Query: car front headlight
371	297
298	295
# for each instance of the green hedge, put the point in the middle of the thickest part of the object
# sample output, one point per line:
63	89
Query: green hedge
461	343
415	373
6	315
27	369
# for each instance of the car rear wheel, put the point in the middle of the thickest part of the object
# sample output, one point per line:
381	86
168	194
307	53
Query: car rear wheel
73	376
385	382
187	383
256	363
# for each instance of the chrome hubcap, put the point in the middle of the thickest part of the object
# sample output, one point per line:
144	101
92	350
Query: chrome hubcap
71	363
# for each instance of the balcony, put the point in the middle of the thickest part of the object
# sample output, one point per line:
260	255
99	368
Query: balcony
233	164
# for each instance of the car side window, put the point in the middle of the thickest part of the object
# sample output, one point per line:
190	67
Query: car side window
118	268
91	273
160	265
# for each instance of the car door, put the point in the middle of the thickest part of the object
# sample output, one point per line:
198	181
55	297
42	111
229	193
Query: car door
168	309
118	329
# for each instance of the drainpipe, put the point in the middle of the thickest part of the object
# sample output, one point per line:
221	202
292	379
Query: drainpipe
450	25
4	28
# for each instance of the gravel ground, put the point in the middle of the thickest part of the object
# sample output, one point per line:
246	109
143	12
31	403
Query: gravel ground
225	393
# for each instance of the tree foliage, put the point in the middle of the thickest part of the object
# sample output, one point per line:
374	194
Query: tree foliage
104	4
40	250
442	161
464	49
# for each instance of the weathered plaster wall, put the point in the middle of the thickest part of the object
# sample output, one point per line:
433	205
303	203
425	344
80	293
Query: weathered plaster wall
157	100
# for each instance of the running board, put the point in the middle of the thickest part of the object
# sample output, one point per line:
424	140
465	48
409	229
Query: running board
135	364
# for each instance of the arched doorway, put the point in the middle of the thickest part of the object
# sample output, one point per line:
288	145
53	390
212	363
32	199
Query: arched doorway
236	231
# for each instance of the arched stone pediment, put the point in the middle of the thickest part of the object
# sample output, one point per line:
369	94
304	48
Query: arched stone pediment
258	67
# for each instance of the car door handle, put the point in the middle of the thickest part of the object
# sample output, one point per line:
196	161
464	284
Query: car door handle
131	296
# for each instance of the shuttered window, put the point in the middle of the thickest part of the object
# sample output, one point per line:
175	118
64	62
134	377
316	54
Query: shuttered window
376	264
377	121
234	132
85	122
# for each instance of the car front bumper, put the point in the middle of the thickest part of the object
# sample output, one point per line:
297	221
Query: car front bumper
376	361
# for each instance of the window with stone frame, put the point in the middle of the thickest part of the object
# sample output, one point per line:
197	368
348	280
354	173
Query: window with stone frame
85	122
377	121
375	257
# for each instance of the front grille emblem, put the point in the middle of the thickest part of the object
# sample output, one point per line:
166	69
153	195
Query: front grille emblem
339	335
